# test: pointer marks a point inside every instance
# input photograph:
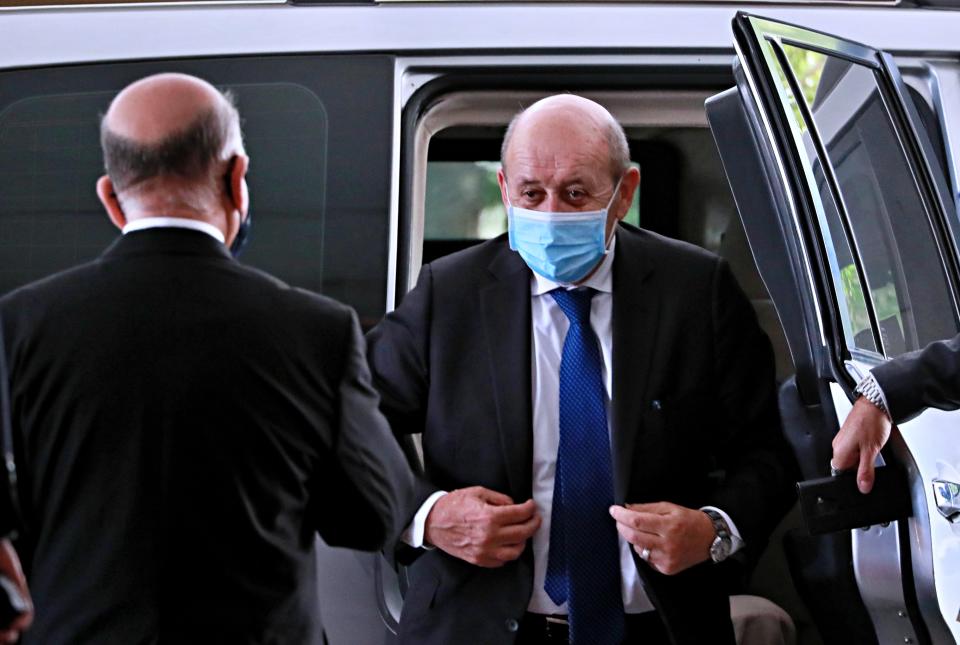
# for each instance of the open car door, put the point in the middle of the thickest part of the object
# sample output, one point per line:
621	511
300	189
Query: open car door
855	234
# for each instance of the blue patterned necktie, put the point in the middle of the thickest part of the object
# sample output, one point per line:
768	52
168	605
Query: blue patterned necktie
583	567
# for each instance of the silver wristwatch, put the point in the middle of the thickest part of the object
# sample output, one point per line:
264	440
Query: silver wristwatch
722	544
869	389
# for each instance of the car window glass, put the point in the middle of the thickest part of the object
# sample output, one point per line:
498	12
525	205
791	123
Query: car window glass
463	201
313	228
900	268
857	328
50	160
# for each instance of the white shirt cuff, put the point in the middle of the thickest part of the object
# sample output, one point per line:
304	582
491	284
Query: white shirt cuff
736	542
413	535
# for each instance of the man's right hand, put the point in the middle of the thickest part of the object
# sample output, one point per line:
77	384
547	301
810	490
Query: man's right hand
481	526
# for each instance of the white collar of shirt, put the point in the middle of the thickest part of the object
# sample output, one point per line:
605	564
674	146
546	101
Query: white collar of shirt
174	222
601	280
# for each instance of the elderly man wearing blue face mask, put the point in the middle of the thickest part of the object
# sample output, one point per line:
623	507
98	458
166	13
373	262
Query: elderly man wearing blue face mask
598	413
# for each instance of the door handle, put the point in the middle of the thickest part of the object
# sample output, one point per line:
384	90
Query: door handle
947	495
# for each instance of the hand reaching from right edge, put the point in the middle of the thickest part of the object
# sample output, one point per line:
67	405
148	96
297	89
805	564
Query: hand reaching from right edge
860	439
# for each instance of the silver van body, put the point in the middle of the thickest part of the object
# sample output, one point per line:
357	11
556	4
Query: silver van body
351	111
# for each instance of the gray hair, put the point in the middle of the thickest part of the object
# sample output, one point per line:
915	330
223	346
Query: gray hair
616	138
192	154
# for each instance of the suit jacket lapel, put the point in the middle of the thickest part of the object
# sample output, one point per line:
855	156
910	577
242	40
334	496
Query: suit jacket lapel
635	319
505	305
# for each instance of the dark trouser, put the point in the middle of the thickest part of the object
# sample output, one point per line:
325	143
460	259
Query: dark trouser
642	629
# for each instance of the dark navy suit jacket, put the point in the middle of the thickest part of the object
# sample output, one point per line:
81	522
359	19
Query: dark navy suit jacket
929	378
694	419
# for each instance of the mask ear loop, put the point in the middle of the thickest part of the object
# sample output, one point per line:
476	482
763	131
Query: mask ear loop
613	231
510	241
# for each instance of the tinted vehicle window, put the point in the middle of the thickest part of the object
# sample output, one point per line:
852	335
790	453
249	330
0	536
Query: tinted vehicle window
319	175
463	201
884	248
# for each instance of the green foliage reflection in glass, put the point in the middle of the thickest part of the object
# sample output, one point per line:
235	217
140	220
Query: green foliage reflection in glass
807	67
884	301
463	201
856	305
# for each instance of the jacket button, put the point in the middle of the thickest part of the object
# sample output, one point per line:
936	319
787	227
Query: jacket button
512	625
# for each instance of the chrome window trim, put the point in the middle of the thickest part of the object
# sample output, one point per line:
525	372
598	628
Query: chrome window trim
393	234
791	200
826	165
768	35
420	70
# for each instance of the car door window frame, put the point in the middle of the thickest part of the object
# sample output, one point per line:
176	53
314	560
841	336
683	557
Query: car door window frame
771	37
909	541
776	46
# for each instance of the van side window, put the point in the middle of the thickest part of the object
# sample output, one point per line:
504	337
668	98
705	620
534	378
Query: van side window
884	253
313	228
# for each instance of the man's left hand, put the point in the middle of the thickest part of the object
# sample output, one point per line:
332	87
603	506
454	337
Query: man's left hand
677	537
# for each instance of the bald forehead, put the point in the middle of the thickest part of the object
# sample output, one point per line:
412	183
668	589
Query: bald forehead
566	121
156	107
576	107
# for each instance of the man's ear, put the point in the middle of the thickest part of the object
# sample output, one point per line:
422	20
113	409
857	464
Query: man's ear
237	184
628	186
111	203
502	181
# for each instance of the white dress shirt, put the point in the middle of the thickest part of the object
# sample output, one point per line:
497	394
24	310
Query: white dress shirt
174	222
550	327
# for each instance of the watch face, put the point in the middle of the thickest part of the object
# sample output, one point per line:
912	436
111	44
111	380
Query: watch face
719	550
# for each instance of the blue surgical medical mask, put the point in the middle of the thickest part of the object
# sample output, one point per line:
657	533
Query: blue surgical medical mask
562	247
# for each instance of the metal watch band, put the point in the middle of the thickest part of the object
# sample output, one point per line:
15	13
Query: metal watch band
723	543
869	389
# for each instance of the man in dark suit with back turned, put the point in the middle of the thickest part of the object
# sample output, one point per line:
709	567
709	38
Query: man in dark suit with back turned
598	413
183	424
